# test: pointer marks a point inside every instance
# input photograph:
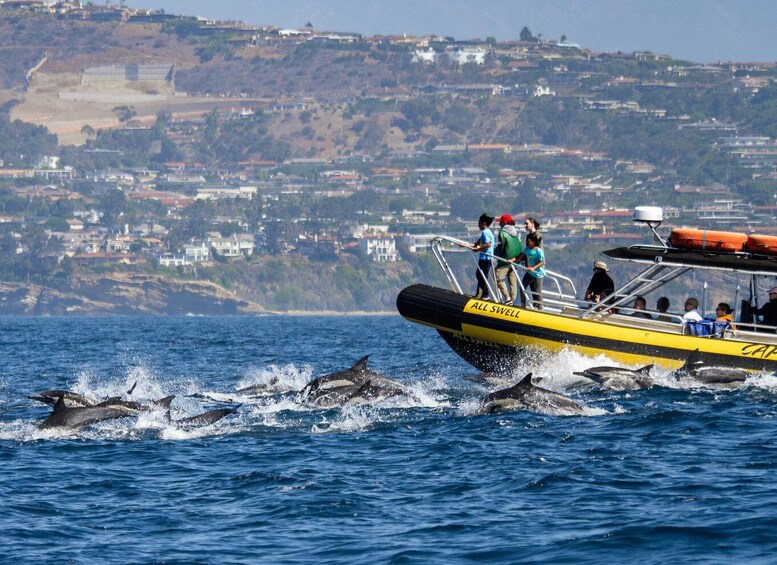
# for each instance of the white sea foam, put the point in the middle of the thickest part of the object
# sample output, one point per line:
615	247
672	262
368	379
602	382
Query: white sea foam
275	379
348	420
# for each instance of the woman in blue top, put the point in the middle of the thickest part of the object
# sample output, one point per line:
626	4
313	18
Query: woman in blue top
485	245
535	269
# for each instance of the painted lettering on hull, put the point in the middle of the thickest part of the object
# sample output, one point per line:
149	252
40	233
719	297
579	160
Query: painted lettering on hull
493	310
760	350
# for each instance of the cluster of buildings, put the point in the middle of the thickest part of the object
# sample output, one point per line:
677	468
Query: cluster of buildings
383	238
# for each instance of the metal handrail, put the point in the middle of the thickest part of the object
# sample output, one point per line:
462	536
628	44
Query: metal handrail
558	281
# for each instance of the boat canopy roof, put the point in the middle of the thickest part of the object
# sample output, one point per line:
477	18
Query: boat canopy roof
742	262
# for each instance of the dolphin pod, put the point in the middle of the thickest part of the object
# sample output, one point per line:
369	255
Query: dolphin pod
358	385
696	368
74	411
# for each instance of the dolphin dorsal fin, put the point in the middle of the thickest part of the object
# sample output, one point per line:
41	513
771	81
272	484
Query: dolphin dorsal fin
646	369
164	402
361	364
60	405
694	358
524	382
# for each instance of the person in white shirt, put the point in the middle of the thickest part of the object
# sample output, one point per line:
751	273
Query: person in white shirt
691	313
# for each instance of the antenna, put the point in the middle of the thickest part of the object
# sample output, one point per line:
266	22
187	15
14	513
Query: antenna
652	216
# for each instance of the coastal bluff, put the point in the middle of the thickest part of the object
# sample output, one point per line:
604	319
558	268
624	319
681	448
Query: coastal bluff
123	295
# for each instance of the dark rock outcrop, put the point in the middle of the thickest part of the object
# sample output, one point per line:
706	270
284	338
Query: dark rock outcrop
123	294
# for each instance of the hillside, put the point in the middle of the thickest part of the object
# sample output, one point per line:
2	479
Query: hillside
262	161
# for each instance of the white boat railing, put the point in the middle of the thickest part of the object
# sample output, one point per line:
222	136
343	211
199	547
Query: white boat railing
559	290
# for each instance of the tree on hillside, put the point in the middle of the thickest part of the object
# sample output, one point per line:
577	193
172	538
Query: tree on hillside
526	34
112	204
124	113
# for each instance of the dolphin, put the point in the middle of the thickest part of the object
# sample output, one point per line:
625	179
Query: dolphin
260	388
697	369
134	406
71	399
204	419
526	396
372	392
336	389
75	400
619	378
75	417
487	379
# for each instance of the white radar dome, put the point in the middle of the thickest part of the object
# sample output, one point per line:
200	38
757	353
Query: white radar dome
649	214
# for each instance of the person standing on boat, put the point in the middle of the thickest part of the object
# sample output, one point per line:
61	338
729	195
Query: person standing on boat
768	312
485	246
508	247
535	269
531	225
601	284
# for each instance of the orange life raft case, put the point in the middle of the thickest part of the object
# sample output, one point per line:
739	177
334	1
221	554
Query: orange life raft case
763	244
707	240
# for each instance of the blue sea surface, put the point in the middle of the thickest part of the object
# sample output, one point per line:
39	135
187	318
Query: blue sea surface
671	474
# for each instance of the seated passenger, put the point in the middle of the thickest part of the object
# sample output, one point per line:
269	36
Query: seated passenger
691	315
641	304
723	311
662	305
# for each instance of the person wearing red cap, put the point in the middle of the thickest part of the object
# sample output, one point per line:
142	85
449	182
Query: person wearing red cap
508	247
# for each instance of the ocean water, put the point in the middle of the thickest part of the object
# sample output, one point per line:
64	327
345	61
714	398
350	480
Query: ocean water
671	474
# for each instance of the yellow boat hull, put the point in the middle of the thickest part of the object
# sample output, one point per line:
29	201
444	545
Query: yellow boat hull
487	334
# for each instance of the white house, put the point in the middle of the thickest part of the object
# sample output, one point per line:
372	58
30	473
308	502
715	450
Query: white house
428	57
196	252
382	248
474	55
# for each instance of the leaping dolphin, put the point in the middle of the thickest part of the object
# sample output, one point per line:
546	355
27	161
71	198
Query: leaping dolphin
71	399
259	389
619	378
77	417
697	369
526	396
204	419
356	384
75	400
